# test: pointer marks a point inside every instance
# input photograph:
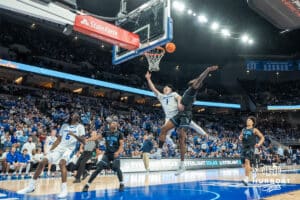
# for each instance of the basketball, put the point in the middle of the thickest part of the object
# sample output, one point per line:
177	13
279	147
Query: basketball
170	47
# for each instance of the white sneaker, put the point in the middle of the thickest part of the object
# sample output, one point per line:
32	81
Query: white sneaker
245	181
26	190
180	170
63	194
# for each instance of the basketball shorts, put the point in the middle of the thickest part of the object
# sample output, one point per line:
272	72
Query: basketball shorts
247	153
110	162
188	97
59	154
182	119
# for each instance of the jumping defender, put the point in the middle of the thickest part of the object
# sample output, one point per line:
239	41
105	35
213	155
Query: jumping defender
170	102
184	117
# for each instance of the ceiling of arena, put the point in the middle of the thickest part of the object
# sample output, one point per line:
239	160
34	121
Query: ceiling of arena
203	46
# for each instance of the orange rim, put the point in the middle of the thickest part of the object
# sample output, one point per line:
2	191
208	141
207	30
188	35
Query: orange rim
157	54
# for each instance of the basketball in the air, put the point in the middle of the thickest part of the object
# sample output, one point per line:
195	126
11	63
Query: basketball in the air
170	47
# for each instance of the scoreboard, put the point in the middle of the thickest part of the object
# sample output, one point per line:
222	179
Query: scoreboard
256	65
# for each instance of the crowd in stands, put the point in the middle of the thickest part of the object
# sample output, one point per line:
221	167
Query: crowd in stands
62	53
273	93
28	116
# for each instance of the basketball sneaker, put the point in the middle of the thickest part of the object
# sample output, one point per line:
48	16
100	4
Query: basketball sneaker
181	169
85	188
245	181
121	188
28	189
64	191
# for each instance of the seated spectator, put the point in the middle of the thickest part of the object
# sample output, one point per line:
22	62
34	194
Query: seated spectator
29	145
24	162
12	162
7	141
36	157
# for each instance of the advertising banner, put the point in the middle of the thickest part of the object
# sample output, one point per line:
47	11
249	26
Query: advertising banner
137	165
107	32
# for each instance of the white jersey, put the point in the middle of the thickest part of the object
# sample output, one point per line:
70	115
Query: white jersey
67	141
49	142
169	104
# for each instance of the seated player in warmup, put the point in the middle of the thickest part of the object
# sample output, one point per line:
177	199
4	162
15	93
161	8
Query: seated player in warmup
248	137
184	116
170	101
60	152
114	142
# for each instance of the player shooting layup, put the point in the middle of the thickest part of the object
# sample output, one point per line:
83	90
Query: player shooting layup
170	101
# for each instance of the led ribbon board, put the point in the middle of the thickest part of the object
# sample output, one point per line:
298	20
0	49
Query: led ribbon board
283	107
90	81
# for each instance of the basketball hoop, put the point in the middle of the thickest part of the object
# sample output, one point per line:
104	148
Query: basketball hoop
154	56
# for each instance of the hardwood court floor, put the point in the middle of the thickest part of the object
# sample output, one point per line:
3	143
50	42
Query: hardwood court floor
201	184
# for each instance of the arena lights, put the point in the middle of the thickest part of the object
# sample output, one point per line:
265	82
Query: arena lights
215	26
250	41
202	19
90	81
225	33
245	38
180	6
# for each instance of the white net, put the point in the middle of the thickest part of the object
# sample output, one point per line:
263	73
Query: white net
154	56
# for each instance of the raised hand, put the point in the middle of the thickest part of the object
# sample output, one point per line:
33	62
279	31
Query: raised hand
148	75
213	68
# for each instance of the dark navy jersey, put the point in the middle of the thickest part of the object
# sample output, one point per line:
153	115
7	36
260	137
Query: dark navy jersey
188	98
249	138
112	140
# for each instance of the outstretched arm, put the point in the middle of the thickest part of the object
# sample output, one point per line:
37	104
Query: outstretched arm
197	82
151	85
80	139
